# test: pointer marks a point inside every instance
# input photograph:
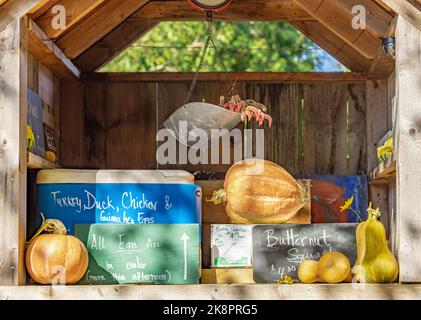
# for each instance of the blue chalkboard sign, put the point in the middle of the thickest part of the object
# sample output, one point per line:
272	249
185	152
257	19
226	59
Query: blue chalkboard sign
35	121
120	203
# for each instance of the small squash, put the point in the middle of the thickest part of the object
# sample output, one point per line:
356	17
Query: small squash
260	192
334	267
308	271
375	263
56	258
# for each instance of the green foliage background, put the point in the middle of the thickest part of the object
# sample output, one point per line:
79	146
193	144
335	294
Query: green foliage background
249	46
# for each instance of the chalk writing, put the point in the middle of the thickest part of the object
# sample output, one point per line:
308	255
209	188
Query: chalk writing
279	249
127	204
122	254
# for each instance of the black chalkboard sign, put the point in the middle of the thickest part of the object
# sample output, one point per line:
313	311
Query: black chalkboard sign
279	249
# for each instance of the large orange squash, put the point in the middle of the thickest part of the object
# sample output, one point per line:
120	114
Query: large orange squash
56	258
261	192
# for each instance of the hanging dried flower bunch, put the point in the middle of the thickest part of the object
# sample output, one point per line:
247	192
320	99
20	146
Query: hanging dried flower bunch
249	109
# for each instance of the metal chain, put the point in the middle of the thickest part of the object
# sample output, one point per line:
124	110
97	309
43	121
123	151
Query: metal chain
209	41
202	59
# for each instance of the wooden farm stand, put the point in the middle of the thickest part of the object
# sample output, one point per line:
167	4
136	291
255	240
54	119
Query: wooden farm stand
110	120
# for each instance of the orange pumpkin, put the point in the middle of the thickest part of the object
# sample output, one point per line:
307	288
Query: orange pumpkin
261	192
56	258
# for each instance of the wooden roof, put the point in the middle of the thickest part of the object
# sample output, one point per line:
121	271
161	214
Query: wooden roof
97	30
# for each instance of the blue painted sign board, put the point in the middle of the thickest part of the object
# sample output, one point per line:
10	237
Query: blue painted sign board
35	121
124	204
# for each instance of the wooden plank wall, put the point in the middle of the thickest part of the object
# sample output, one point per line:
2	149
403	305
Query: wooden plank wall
318	127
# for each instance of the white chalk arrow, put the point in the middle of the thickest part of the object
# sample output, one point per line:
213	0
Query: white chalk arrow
185	238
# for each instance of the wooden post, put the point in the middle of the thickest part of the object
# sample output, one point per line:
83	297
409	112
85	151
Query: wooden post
408	78
13	99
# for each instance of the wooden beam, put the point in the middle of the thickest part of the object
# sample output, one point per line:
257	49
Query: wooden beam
2	2
112	44
244	10
13	110
76	12
378	20
408	79
343	291
339	21
41	8
334	45
99	24
407	10
49	54
274	77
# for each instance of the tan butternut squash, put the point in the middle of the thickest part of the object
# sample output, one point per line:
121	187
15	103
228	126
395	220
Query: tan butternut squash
375	262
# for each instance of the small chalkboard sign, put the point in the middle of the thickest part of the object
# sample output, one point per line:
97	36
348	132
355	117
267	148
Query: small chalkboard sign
160	254
279	249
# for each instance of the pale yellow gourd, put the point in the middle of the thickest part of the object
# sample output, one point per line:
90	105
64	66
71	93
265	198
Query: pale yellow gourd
375	262
334	267
308	272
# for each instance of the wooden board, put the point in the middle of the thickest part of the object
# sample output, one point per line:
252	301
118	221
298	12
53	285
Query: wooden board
99	24
227	276
345	291
36	162
120	126
408	66
163	254
48	53
279	249
72	124
378	123
13	113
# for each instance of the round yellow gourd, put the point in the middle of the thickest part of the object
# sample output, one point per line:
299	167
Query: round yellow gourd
308	271
334	267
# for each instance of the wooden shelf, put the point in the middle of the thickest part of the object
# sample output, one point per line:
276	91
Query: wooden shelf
216	292
385	173
36	162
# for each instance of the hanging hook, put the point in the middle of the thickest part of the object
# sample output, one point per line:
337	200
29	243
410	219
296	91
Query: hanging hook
209	16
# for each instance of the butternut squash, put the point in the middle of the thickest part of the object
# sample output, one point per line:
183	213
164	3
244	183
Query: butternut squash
375	262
